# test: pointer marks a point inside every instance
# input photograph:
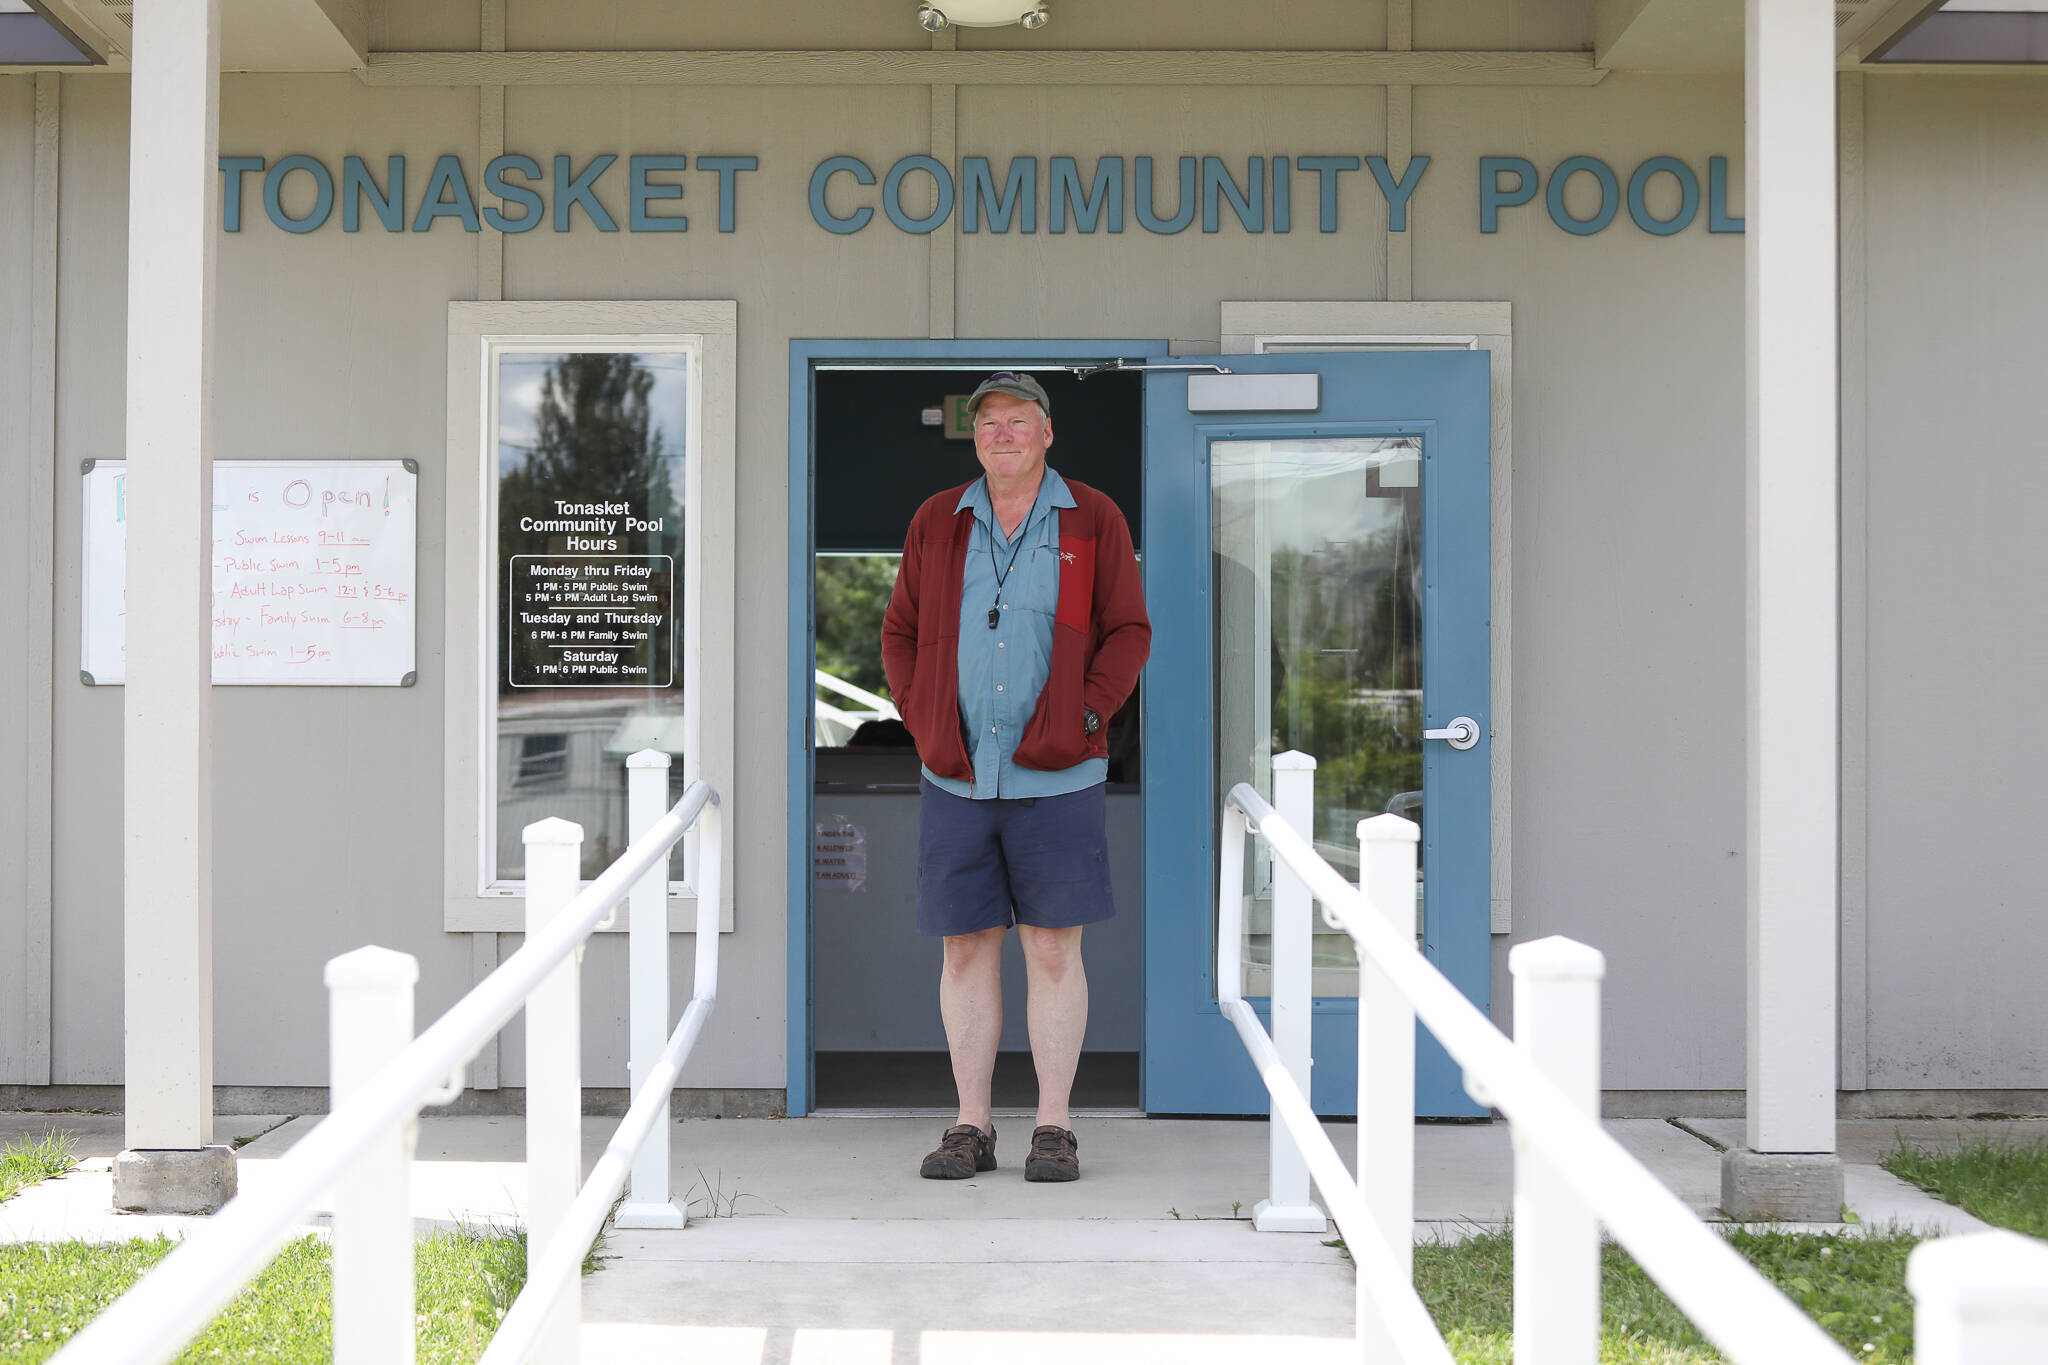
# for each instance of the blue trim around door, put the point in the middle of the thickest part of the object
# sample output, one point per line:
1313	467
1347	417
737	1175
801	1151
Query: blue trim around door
804	357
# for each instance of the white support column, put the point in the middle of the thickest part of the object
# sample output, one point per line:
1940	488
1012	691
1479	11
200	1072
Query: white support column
1793	590
1557	1238
1979	1300
1387	845
554	1078
648	1205
370	1021
167	808
1287	1206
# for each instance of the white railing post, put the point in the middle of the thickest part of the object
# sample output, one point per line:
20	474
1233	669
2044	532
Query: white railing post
369	1021
1386	1067
1557	1236
1288	1207
554	1083
1979	1300
648	1205
708	881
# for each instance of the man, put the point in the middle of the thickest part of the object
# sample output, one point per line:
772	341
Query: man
1016	630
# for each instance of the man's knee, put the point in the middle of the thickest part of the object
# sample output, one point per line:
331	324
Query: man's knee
966	952
1052	952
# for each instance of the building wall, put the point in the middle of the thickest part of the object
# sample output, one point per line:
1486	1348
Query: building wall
1628	507
1628	555
1958	549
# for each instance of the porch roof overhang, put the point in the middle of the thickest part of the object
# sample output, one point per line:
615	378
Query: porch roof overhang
1706	35
256	35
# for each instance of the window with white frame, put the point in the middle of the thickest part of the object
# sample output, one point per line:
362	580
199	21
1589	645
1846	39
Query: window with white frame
588	453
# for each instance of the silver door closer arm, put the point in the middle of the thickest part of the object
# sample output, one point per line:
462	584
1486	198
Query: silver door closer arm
1122	366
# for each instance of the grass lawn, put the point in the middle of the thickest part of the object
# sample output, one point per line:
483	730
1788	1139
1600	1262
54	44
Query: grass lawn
2003	1183
466	1282
24	1163
1854	1287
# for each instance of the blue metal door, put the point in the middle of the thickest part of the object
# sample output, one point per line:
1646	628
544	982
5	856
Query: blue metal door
1318	578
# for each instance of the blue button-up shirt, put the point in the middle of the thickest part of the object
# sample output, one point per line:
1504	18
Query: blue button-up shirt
1003	670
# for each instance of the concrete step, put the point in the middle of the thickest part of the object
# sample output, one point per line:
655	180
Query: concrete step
773	1289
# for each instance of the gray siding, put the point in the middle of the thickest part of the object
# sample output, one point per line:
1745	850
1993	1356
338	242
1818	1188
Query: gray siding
1958	553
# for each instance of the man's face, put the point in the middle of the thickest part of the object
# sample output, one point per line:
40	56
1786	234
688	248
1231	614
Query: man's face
1010	437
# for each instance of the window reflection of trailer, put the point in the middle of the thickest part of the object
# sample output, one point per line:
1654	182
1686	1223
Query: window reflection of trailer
566	758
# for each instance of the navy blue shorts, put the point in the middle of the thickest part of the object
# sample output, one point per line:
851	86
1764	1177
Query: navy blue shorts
991	864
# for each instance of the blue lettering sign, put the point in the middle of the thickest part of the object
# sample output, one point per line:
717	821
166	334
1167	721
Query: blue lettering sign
1399	191
1148	218
1249	206
1106	195
1610	195
728	168
571	190
1717	197
821	212
447	179
644	192
1493	197
234	168
357	185
532	207
273	193
1327	169
892	194
978	194
1688	196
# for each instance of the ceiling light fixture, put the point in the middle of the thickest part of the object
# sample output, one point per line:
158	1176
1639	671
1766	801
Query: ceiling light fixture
980	14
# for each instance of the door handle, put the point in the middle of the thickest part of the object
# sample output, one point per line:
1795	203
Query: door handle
1462	732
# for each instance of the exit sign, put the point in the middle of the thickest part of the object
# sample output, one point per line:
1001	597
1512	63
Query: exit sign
959	425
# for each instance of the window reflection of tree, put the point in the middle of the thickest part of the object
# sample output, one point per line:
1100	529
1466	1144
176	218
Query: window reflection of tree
597	437
852	593
1347	668
596	440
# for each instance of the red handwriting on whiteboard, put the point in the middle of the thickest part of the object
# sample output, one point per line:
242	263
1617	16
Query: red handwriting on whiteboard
294	564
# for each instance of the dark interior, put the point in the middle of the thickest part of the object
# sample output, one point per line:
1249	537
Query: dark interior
875	461
879	1043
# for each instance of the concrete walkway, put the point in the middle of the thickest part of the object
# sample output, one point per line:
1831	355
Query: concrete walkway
815	1240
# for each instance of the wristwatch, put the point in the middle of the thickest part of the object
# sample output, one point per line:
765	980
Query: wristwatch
1090	722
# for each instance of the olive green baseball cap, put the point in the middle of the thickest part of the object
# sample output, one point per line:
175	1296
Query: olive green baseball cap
1015	383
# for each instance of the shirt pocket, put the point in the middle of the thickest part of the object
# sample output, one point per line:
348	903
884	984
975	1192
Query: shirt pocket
1038	574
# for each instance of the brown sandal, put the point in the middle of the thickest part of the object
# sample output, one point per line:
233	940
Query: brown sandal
1055	1155
962	1152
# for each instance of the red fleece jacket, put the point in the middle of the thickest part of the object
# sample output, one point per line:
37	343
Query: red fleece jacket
1100	634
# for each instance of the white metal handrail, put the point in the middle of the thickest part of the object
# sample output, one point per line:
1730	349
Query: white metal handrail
157	1317
1740	1311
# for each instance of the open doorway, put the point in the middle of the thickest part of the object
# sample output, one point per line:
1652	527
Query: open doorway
883	439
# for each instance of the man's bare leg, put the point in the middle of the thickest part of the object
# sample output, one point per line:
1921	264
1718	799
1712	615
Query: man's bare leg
1057	1009
971	1003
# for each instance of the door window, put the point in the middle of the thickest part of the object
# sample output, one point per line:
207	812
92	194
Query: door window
1317	573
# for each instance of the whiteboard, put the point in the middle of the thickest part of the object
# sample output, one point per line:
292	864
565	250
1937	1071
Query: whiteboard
314	572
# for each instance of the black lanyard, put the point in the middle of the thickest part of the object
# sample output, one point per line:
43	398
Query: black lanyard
1003	574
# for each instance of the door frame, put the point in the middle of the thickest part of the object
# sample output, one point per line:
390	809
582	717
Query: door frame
805	356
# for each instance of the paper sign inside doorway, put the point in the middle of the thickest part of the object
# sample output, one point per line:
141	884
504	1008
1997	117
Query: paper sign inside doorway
839	856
